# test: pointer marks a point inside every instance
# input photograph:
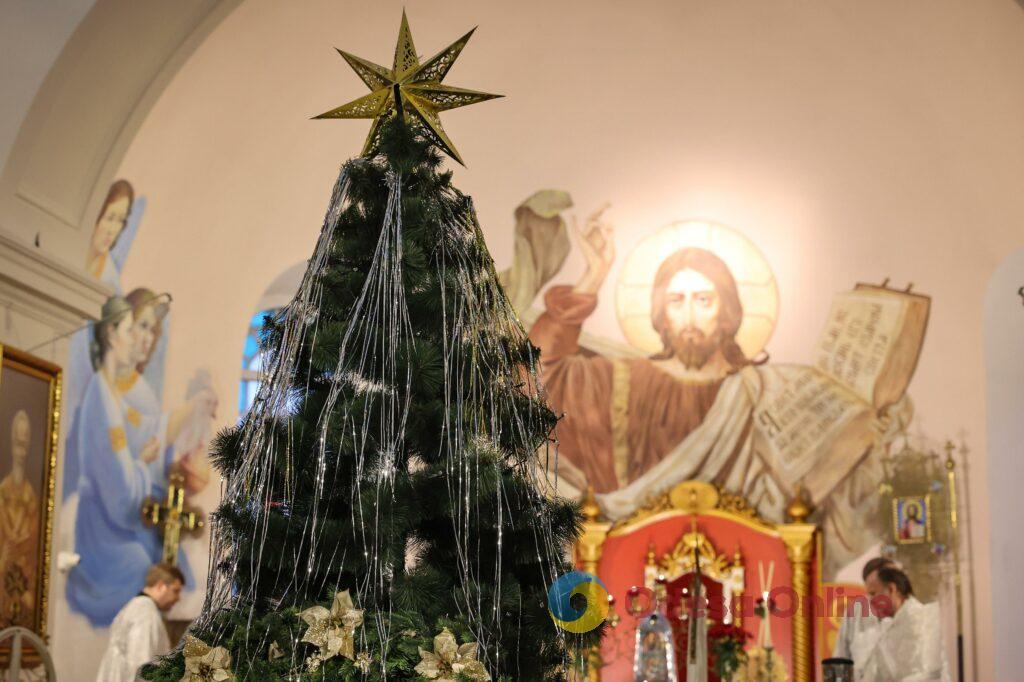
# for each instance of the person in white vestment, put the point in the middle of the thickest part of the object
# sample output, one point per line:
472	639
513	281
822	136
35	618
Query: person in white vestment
858	617
906	647
138	634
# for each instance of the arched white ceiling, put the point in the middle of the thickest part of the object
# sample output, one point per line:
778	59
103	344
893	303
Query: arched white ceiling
109	72
32	35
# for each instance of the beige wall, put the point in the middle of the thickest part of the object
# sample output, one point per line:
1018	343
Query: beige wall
1004	329
849	141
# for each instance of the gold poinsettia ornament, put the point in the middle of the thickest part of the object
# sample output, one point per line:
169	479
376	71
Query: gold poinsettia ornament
204	663
448	660
333	631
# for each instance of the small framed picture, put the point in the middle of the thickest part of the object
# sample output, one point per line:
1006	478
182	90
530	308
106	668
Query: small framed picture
29	412
912	519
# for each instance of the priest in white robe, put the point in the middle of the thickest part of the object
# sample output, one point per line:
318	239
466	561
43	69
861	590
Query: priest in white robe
906	647
858	617
138	634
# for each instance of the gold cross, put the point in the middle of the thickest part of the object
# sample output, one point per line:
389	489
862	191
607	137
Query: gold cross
172	517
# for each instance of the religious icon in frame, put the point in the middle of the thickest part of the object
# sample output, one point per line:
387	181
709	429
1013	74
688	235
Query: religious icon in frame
912	519
30	390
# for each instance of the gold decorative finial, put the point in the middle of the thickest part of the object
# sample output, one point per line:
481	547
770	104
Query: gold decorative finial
799	508
410	90
589	507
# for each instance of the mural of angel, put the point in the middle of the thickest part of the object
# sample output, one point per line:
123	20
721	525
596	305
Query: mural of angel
123	441
113	233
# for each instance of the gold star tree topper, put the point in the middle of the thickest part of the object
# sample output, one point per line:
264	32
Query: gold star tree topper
409	89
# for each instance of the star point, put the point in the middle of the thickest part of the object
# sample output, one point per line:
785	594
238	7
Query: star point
411	89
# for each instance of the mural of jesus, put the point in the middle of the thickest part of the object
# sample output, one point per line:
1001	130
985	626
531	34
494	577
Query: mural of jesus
699	402
697	312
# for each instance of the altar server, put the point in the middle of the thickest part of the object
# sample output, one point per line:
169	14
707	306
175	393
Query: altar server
138	634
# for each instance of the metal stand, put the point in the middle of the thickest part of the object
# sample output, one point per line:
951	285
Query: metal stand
954	524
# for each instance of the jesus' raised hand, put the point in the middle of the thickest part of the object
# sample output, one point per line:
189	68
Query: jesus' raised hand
598	248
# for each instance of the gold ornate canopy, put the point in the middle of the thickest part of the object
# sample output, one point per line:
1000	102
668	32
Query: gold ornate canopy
678	561
699	499
409	89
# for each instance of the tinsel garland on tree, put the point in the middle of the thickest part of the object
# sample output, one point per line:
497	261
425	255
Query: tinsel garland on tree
383	493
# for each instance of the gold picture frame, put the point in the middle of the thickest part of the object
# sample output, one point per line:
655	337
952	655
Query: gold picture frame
912	519
30	407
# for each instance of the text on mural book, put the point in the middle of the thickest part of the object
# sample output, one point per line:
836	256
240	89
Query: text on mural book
866	356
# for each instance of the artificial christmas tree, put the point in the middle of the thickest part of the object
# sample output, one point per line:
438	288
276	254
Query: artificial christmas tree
382	515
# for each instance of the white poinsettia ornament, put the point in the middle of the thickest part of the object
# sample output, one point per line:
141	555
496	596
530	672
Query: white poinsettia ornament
448	660
204	663
333	631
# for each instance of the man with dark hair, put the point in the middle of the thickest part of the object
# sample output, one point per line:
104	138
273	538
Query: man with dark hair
857	619
873	565
895	590
909	643
138	634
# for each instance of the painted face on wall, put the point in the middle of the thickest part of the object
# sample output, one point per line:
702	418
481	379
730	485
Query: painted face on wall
110	224
21	432
692	305
144	334
121	341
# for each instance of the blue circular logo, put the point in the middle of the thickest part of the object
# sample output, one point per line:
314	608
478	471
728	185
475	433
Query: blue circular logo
567	616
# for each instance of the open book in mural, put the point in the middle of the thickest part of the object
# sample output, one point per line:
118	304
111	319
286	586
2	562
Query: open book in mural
123	440
692	395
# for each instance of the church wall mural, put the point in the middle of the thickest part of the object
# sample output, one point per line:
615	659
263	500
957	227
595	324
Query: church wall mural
685	388
693	392
126	438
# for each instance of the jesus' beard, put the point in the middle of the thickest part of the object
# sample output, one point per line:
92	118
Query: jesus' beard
694	348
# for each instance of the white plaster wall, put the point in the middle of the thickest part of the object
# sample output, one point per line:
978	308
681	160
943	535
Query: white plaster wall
1004	365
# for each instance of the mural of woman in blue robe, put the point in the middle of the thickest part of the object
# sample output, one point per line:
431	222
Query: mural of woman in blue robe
115	548
122	442
113	234
186	428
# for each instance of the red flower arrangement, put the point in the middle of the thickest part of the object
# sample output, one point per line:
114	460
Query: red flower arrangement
725	647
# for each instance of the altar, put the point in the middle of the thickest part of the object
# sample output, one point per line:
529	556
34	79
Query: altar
756	575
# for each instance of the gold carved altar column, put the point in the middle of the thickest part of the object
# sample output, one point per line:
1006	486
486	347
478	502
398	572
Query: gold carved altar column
595	531
588	556
798	537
